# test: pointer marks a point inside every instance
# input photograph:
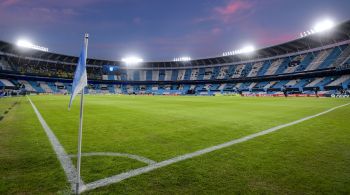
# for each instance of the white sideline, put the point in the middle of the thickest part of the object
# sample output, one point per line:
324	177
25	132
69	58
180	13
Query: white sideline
131	156
62	156
139	171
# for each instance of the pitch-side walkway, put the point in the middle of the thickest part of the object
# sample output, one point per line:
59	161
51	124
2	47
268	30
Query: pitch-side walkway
71	171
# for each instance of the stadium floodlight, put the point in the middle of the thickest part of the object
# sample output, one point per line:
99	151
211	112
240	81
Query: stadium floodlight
182	59
246	49
28	44
132	60
319	27
323	25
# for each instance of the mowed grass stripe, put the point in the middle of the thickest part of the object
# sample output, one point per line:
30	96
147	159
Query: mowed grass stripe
62	156
154	119
160	128
136	172
113	110
307	158
28	164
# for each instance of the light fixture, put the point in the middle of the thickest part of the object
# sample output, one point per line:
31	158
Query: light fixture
246	49
132	60
28	44
319	27
323	25
182	59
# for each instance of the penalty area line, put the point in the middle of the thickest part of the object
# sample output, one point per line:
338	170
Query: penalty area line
122	176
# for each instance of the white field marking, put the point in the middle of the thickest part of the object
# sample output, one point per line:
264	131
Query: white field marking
132	156
139	171
62	156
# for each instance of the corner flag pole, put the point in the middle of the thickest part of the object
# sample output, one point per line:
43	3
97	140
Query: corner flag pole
81	126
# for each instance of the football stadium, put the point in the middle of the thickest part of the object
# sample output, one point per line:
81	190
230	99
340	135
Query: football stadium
267	119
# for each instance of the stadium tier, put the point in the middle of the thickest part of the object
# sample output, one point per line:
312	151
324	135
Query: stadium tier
315	62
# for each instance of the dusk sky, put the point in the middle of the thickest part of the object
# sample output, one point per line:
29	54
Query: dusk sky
162	29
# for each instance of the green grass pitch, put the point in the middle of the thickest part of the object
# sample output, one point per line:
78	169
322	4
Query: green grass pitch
311	157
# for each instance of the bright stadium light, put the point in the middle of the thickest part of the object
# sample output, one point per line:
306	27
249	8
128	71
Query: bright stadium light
319	27
246	49
323	25
28	44
132	60
24	43
182	59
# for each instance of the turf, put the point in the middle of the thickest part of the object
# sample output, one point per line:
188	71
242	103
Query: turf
310	157
28	164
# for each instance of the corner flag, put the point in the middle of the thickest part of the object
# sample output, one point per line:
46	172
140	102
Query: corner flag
79	82
80	76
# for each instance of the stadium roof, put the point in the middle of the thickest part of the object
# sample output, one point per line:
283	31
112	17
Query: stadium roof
340	33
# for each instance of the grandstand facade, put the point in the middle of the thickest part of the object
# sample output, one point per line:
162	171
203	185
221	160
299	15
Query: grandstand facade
319	62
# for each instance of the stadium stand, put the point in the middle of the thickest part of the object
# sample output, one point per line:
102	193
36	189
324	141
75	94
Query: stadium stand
298	66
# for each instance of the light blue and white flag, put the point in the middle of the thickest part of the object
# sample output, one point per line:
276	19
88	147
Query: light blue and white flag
80	76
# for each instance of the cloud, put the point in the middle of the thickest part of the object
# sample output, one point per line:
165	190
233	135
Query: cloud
49	3
42	11
38	15
228	13
216	31
7	3
232	8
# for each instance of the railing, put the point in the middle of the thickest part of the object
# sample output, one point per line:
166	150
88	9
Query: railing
343	67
